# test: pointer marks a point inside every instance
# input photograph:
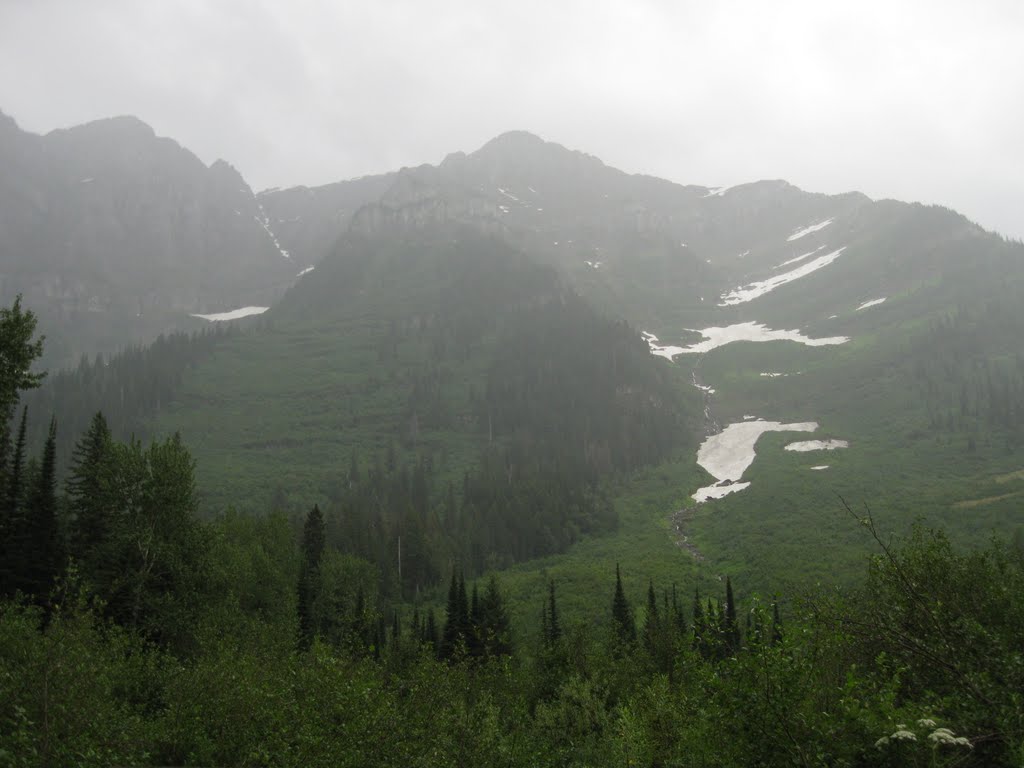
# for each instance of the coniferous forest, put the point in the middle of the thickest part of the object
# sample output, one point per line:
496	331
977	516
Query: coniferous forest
133	631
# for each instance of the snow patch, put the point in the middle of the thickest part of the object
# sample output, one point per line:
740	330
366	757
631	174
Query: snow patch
752	331
508	194
87	181
717	192
306	271
718	490
817	445
727	455
772	374
594	264
872	303
798	258
234	314
820	467
668	352
809	230
760	288
264	222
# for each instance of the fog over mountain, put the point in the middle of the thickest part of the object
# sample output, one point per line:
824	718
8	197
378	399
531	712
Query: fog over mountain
914	102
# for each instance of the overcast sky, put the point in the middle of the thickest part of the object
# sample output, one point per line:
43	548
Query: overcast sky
912	100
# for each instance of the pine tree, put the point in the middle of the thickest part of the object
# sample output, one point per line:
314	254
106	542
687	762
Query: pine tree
43	558
495	627
474	634
430	632
313	540
622	616
456	619
14	565
651	632
699	625
730	626
14	485
89	506
554	626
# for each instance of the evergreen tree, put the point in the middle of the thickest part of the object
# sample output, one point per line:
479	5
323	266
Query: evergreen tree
14	565
15	481
730	626
43	558
554	625
622	616
651	624
495	627
313	540
456	624
474	635
699	625
88	504
430	637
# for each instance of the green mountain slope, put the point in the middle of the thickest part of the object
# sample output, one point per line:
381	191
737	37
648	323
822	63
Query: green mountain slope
446	325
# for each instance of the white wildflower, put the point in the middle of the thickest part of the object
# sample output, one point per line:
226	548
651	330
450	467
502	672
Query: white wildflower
945	736
926	723
904	735
882	742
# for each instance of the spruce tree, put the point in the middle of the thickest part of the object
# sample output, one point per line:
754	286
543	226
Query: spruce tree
474	634
776	624
5	518
43	559
622	616
699	625
730	625
430	637
14	485
88	502
652	625
456	624
14	565
554	626
495	626
313	540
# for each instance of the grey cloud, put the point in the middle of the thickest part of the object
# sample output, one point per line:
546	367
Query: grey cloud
916	100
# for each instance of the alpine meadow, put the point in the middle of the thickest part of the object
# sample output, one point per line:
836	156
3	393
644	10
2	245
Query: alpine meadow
515	459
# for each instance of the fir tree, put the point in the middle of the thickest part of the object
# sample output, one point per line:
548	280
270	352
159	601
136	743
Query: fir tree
474	634
88	506
430	637
43	559
456	619
622	616
14	484
494	625
14	565
554	626
313	539
730	626
652	626
699	624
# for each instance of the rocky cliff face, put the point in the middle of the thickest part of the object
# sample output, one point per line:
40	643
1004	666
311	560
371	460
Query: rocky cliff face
114	234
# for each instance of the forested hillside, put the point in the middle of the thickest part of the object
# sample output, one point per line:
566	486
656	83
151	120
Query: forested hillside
132	632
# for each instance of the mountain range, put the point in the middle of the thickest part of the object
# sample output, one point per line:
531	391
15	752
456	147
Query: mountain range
495	314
